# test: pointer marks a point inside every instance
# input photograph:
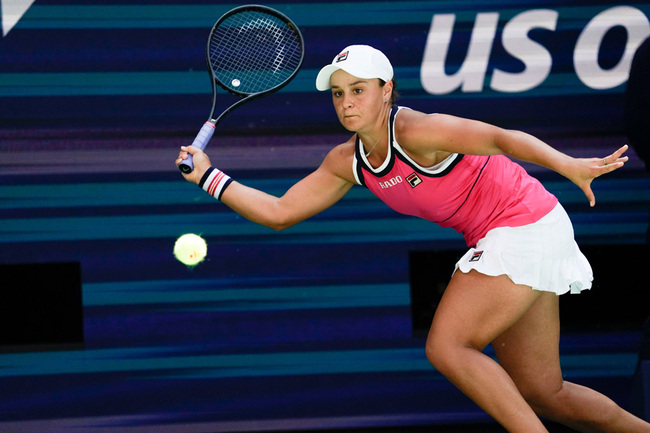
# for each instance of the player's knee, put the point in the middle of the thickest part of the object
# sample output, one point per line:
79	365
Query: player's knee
441	352
564	405
435	350
542	401
546	400
431	351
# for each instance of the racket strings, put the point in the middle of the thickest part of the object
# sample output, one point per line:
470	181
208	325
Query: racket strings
253	52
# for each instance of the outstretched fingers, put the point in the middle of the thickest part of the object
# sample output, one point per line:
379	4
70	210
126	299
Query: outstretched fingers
600	166
616	159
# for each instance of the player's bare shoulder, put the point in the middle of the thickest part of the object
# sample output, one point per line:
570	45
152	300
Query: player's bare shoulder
420	135
412	125
340	159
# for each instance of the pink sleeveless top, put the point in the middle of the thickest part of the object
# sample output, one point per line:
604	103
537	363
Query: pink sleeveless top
472	194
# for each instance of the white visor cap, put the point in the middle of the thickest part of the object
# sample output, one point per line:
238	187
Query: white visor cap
361	61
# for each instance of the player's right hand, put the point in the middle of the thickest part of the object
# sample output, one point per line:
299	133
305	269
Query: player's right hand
200	160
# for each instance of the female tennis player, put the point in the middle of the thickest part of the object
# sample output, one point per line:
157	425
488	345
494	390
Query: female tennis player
456	172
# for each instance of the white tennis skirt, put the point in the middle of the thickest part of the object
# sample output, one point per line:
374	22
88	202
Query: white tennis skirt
542	255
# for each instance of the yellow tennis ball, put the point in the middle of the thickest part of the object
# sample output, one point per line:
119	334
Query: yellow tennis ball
190	249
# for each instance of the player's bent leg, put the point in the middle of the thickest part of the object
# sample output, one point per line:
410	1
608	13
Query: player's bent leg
473	311
529	352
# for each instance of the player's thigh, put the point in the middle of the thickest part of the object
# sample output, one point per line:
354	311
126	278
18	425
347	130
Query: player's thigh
476	308
529	349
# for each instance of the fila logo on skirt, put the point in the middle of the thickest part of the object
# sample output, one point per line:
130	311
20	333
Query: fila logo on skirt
476	256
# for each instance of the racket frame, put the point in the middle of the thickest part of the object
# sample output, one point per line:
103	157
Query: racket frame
206	132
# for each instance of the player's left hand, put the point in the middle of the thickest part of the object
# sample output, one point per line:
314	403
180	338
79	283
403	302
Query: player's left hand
591	168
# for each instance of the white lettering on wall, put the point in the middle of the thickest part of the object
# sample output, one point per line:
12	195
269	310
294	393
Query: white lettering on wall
537	59
471	74
585	55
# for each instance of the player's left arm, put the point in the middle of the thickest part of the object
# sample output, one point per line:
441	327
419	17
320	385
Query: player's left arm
459	135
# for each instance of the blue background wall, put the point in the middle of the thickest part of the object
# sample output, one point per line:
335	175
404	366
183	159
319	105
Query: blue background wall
306	328
128	64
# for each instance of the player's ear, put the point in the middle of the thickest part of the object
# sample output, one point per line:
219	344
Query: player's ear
387	90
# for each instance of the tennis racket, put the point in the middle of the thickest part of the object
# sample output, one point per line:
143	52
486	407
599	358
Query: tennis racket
252	51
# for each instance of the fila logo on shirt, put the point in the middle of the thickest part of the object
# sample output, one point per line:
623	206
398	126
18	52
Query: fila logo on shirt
413	179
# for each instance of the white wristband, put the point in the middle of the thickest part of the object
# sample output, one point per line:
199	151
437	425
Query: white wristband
215	182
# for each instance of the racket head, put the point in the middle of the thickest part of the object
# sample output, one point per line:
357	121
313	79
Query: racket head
254	50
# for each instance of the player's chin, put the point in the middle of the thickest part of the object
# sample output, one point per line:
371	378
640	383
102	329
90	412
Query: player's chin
351	123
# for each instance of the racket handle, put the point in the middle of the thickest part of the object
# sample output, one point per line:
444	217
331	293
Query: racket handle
201	140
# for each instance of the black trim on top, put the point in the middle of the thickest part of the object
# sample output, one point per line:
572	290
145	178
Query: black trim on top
470	190
357	167
419	170
391	152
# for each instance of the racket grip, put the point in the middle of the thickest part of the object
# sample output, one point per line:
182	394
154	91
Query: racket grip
200	141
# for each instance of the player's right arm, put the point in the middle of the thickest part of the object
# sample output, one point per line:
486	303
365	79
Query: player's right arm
309	196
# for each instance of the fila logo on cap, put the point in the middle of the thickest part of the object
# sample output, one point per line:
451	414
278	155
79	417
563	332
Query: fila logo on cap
342	56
